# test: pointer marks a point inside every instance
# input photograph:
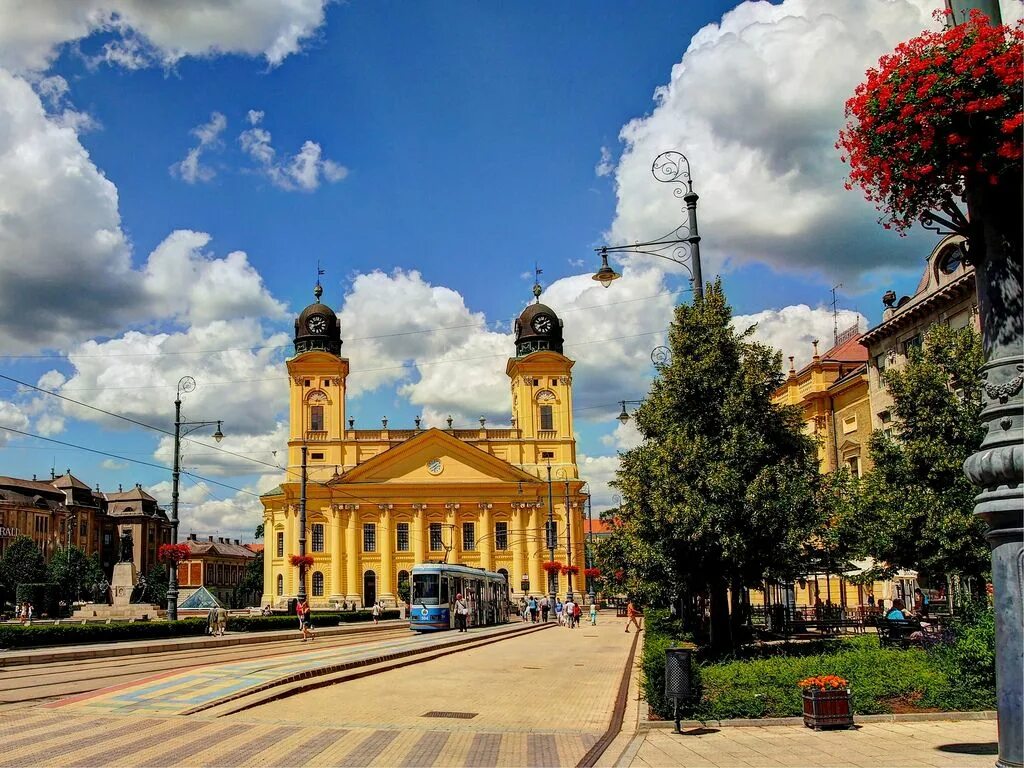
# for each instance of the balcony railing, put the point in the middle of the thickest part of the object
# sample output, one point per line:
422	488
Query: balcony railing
314	436
546	434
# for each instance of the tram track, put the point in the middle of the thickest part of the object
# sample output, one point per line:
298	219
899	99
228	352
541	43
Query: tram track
33	684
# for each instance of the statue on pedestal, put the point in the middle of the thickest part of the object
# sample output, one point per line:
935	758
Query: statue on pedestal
127	546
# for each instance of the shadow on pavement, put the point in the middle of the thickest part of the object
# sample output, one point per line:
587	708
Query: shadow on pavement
979	748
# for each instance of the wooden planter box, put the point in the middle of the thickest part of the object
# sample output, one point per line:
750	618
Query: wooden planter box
828	709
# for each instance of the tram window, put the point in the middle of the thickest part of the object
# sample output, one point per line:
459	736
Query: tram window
425	588
444	591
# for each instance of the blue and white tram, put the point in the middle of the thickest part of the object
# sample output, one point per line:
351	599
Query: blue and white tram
435	585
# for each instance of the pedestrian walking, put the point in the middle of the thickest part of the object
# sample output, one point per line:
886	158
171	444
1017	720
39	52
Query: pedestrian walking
633	617
306	621
461	612
524	610
533	609
593	614
559	612
545	606
211	621
577	611
375	612
30	612
568	611
222	621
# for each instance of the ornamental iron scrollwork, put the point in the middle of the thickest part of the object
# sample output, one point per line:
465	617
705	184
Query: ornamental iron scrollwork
661	356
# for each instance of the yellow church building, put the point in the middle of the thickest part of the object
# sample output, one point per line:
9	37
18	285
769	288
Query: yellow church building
379	501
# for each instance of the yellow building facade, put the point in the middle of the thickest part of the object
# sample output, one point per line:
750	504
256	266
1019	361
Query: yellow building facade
378	501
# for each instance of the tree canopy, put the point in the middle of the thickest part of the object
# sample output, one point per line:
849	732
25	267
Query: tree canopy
916	505
722	489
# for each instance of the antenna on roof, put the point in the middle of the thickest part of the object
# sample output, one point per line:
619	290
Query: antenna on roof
835	315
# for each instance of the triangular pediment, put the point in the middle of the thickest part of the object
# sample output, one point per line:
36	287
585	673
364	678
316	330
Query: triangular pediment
435	457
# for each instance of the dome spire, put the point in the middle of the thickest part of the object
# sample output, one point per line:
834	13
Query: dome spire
537	290
318	291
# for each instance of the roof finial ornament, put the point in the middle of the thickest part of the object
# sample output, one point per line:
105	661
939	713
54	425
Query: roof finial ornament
537	290
318	291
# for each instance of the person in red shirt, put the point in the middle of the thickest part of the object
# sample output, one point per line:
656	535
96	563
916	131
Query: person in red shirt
634	617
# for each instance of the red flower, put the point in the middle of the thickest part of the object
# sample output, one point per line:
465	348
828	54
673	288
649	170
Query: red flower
552	566
173	553
301	560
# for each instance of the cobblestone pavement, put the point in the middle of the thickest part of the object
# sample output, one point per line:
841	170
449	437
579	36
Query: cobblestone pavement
174	693
541	699
952	744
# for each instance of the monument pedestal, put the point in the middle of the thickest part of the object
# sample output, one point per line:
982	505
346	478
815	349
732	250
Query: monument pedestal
122	608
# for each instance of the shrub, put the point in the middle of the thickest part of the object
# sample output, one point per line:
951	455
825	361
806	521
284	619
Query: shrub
43	596
319	618
880	679
970	660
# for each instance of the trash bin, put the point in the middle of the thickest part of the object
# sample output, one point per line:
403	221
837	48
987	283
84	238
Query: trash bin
293	603
678	677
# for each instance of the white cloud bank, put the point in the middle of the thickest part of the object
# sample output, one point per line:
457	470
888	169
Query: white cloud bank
756	103
147	32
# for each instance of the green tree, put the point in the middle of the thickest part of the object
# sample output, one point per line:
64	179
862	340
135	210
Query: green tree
22	563
259	532
156	585
916	507
250	589
74	572
722	491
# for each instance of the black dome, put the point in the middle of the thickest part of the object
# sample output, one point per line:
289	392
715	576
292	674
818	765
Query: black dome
317	327
538	328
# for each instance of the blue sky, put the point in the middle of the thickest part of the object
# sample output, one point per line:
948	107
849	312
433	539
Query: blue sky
456	145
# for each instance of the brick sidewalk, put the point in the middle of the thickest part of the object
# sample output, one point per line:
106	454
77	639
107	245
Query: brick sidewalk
953	744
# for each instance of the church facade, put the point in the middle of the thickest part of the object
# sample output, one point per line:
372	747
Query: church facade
379	501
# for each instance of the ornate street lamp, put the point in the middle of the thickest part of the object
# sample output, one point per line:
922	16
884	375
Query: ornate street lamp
623	416
186	384
549	535
680	246
561	474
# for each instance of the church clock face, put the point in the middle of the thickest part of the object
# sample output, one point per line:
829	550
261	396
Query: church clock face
542	323
317	324
434	466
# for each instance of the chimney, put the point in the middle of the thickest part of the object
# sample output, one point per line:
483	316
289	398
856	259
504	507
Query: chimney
191	537
238	543
211	539
119	488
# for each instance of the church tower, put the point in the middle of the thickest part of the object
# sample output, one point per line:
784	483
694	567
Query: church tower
541	378
317	375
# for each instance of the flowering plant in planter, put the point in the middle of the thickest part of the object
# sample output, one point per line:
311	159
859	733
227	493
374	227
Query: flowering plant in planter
573	569
824	683
173	553
301	560
551	566
593	573
938	117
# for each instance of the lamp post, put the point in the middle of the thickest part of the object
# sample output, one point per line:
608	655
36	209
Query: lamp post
680	246
623	416
550	538
186	384
563	475
588	551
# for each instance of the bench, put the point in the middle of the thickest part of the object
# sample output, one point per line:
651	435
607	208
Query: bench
897	632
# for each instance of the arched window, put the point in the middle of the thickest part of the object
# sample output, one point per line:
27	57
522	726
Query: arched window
504	573
369	588
318	584
403	586
280	585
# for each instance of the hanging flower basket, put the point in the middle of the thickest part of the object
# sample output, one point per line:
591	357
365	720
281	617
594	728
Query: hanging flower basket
620	576
552	566
592	573
828	702
573	569
173	553
940	114
301	560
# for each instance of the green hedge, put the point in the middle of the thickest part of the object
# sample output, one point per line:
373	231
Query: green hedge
661	632
38	635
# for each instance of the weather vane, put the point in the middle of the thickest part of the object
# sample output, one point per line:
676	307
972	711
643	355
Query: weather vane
537	272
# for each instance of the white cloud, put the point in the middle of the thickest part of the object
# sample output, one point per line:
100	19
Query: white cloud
207	509
183	282
238	369
237	454
624	437
47	178
11	415
113	465
792	329
605	166
756	104
161	32
303	171
190	169
599	471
